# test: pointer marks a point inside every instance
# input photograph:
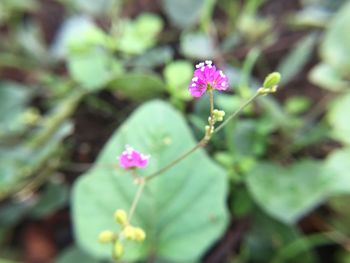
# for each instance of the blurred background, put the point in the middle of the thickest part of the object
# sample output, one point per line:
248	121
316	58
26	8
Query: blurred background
72	71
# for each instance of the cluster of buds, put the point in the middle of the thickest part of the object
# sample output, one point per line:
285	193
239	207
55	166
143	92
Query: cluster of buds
128	232
217	116
270	83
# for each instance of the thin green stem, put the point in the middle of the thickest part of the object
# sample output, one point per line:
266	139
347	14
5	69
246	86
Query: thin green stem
211	97
205	139
237	112
136	199
200	144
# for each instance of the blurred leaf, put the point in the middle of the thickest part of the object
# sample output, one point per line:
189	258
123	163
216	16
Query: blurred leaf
338	117
155	57
54	197
247	139
293	63
100	7
76	34
93	69
74	255
297	104
38	155
197	45
337	165
177	76
140	34
313	16
241	203
254	27
18	163
228	103
12	212
327	77
10	8
183	13
288	193
266	237
182	211
30	38
336	43
138	86
13	101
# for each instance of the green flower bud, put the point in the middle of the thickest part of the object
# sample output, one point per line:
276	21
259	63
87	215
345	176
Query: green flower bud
118	250
271	81
121	217
106	236
218	115
139	234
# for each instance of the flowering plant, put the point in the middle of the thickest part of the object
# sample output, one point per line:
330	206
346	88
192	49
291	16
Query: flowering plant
206	78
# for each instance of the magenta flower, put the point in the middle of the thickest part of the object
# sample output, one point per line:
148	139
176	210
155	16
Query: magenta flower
206	76
131	158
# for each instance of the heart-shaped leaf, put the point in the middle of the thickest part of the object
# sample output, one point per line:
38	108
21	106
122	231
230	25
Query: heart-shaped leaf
337	166
183	211
339	119
337	43
288	193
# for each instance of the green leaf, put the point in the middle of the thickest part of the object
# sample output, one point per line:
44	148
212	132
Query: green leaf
267	237
138	86
13	100
97	8
74	255
337	166
328	78
18	163
177	76
336	42
93	68
247	140
338	117
139	35
183	13
197	45
295	60
154	57
288	193
183	211
78	33
297	104
54	197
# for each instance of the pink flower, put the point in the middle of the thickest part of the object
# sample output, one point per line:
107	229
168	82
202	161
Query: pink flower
207	76
131	158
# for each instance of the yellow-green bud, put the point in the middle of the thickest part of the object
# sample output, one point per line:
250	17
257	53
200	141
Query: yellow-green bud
272	80
139	234
121	217
106	236
118	250
218	115
31	116
129	232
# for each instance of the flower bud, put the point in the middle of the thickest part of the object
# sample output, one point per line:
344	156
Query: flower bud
218	115
139	234
121	217
118	250
129	232
106	236
272	80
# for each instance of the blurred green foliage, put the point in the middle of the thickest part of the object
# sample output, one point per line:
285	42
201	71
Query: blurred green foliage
284	165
